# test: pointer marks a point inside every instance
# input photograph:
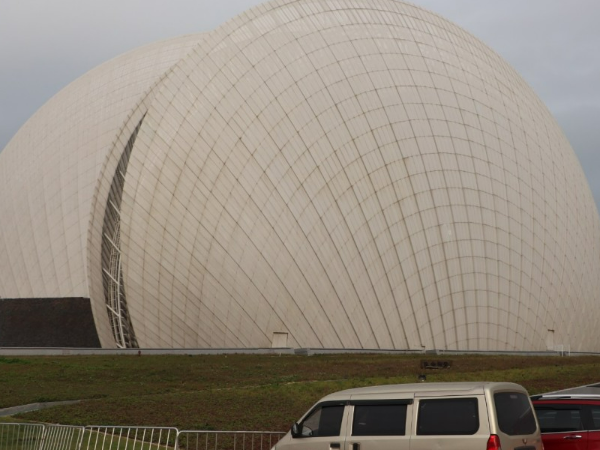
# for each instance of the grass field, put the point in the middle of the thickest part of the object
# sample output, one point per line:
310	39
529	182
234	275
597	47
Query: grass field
244	392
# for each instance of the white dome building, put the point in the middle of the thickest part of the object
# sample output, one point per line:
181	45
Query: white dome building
326	174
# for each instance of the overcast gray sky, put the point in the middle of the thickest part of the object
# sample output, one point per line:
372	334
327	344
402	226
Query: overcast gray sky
553	44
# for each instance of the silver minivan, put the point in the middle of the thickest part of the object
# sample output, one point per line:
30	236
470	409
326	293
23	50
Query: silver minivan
424	416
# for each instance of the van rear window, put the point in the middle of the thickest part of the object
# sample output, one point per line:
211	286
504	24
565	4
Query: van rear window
514	412
449	416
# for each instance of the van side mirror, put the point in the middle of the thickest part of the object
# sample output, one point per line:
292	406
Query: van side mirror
296	430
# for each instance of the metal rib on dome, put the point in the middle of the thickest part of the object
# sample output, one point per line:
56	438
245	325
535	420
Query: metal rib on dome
114	288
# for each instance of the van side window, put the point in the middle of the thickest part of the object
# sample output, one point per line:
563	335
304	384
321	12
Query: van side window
379	420
449	416
323	421
515	415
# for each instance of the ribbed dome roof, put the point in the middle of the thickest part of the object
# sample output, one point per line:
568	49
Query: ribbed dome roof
360	174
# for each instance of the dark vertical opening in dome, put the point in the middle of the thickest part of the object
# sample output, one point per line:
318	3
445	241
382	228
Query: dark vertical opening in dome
112	271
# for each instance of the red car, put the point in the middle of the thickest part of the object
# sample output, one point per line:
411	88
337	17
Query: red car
569	422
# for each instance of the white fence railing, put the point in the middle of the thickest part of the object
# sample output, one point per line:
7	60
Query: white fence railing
19	436
61	437
226	440
129	438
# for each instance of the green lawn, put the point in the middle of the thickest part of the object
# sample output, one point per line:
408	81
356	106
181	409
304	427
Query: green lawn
244	392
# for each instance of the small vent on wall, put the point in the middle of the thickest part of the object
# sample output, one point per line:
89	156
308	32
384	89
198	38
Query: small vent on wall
112	272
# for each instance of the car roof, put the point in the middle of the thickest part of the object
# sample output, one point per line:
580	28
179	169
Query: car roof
565	398
590	391
421	389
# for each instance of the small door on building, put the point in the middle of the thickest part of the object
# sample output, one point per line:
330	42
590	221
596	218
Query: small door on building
279	340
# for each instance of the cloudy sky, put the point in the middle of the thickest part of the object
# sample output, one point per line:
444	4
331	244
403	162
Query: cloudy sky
553	44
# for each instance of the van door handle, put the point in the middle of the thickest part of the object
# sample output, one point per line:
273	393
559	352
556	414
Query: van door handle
573	436
334	445
356	446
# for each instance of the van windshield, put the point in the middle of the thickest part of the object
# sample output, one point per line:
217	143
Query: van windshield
325	420
514	412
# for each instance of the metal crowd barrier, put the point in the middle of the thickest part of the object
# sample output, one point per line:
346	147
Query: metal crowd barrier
61	437
20	436
129	438
227	440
